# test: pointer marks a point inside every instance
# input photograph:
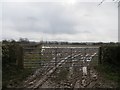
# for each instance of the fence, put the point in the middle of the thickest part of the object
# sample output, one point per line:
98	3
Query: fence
51	56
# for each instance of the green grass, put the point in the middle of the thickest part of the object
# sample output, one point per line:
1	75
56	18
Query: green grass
14	76
94	61
109	72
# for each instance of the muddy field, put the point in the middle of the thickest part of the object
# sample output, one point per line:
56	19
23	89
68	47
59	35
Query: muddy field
65	67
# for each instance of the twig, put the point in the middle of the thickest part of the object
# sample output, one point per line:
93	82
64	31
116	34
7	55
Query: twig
101	2
118	3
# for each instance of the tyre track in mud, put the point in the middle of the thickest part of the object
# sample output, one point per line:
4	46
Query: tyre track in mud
81	81
36	82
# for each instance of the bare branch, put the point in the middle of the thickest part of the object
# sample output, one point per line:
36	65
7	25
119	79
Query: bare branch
115	1
119	4
101	2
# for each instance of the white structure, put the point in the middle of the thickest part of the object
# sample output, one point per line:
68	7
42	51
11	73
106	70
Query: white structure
84	70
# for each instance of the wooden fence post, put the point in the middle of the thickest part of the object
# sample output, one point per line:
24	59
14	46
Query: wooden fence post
19	54
100	55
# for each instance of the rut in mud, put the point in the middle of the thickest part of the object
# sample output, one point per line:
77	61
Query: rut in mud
69	68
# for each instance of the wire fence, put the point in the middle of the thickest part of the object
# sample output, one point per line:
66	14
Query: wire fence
51	56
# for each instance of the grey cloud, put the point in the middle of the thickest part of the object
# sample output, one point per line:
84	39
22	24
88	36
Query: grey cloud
56	23
54	18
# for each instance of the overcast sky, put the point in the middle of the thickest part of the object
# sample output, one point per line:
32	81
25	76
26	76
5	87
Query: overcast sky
60	21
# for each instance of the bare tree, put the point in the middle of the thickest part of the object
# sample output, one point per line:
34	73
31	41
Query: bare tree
115	1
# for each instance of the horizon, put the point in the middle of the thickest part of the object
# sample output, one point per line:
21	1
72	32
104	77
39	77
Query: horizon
63	41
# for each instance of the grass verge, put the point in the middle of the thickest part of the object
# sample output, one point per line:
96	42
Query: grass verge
13	76
108	72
